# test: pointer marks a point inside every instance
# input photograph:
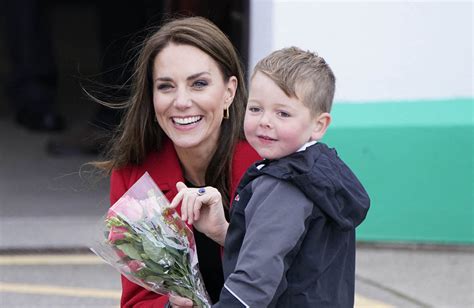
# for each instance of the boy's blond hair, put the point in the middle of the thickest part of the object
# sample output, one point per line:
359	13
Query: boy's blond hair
301	74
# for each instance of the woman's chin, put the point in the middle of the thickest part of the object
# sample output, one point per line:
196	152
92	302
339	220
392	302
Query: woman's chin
187	142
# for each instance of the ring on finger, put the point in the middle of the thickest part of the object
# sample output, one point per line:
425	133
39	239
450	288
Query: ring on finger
201	191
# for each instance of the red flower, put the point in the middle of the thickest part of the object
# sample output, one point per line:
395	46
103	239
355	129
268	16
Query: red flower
135	265
117	233
120	254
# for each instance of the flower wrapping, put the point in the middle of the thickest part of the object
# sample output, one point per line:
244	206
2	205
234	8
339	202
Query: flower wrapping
148	243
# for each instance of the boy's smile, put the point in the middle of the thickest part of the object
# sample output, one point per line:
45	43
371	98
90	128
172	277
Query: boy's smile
266	139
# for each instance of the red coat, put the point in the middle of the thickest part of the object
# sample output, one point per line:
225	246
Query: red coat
165	170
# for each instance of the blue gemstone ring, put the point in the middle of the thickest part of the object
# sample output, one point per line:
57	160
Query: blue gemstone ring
201	191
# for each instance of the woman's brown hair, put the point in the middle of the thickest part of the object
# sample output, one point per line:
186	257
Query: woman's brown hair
139	134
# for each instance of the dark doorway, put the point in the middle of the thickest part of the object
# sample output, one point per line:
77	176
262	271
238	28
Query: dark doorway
230	16
52	48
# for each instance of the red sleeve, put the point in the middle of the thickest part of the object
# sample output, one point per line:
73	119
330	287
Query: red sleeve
244	156
117	185
137	297
132	295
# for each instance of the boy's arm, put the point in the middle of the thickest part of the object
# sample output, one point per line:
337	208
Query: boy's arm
275	222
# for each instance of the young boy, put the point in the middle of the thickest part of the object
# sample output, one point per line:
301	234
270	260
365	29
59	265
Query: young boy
291	237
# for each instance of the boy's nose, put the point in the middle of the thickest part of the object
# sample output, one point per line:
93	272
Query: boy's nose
265	121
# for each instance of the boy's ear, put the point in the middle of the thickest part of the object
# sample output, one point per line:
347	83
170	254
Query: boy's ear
321	122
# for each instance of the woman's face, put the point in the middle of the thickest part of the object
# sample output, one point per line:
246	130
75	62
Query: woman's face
189	96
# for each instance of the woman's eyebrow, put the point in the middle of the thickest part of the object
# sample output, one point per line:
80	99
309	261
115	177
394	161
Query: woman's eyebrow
191	77
194	76
163	79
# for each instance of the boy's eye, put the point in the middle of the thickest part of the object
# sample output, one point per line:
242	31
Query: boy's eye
254	109
200	84
283	114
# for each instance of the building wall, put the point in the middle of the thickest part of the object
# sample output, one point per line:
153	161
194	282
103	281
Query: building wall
378	50
403	115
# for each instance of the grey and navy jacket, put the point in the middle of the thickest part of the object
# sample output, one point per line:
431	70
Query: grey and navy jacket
291	238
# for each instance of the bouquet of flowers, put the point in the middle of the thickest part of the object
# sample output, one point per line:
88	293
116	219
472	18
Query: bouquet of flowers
150	245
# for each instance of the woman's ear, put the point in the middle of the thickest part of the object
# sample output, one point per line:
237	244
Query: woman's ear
321	122
232	84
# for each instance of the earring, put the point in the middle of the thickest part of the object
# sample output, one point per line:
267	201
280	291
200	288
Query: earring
226	113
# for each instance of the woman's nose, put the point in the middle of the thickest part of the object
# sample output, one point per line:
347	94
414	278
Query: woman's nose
182	99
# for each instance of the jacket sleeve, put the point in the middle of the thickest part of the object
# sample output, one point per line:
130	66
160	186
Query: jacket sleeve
133	295
275	222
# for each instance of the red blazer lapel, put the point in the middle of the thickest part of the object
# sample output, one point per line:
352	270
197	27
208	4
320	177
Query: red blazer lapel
164	168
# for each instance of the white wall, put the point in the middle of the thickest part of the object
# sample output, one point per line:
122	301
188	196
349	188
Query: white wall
379	50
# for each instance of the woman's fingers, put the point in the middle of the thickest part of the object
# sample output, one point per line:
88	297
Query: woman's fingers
197	207
193	199
181	187
178	301
189	201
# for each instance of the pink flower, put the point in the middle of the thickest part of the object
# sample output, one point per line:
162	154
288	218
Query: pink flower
111	213
149	207
128	208
135	265
116	233
120	254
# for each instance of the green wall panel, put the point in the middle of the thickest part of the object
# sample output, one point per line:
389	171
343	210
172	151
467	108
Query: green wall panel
416	161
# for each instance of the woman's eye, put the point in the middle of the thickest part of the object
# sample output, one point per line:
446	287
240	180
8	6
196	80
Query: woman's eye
200	84
254	109
164	86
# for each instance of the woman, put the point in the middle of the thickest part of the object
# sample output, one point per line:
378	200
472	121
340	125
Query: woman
183	123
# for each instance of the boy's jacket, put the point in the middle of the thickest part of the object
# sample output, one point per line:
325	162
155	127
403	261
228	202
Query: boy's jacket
291	240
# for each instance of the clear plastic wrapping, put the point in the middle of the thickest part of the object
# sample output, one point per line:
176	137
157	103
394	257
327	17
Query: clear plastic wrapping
148	243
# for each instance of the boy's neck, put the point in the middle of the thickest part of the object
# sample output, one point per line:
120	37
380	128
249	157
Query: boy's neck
302	148
306	145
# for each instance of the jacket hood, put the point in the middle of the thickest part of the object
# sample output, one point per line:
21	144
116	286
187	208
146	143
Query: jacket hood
326	180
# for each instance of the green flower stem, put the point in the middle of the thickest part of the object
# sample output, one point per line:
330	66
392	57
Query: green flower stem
174	273
164	265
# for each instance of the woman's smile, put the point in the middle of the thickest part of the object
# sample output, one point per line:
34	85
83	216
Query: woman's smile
185	121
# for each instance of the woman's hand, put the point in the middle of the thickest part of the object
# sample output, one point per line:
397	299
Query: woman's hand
202	207
176	301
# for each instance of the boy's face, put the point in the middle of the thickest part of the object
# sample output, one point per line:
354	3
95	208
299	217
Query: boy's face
276	125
